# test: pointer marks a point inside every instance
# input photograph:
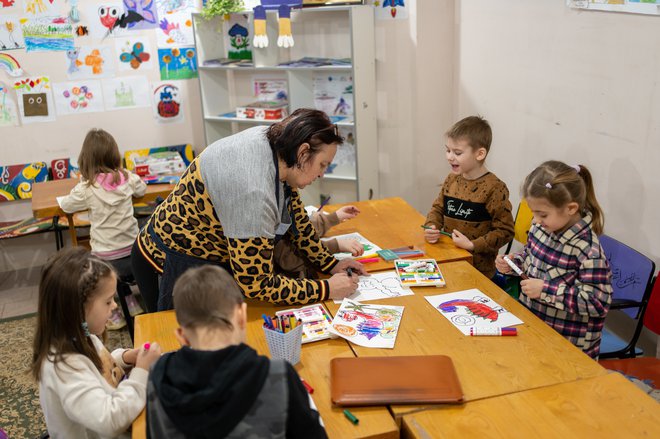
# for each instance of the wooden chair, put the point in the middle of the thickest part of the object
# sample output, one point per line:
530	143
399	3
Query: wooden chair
521	224
632	273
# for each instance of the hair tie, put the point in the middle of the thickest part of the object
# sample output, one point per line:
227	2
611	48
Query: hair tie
548	185
577	168
85	328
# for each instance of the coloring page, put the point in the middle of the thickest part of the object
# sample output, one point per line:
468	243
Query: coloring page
371	326
11	35
167	102
369	247
134	53
84	96
44	34
8	110
126	92
90	62
35	99
470	308
382	285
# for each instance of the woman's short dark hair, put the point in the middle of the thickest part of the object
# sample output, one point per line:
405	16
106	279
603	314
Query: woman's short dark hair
304	125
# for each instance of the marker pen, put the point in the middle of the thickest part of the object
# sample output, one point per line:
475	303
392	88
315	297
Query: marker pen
368	260
349	271
146	346
478	331
351	417
515	268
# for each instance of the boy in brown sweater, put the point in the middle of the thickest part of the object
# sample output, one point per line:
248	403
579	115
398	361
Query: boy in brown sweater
473	204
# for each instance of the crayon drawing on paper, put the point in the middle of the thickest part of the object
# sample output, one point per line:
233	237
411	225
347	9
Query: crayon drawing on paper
383	285
369	247
43	34
11	35
177	63
465	309
374	326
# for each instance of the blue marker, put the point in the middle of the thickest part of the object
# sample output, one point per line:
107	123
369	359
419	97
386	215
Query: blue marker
267	321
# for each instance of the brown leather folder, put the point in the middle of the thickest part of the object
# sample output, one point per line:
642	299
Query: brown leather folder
394	380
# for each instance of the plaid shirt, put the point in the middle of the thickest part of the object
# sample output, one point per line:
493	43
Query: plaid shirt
577	291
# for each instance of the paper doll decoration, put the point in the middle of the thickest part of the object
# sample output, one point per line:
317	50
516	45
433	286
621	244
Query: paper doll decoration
285	38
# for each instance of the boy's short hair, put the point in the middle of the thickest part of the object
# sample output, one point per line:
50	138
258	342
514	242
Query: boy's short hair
206	296
475	129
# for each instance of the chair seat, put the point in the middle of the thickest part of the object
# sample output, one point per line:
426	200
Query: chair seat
28	226
611	342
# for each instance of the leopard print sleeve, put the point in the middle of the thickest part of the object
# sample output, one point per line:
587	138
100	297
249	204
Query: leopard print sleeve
252	263
307	240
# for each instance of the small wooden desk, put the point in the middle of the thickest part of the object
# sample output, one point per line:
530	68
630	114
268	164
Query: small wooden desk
391	223
44	194
486	366
314	366
607	406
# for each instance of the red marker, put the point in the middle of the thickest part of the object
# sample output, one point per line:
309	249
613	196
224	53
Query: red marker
309	388
146	346
478	331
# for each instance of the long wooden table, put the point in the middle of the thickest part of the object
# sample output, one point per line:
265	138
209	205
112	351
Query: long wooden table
314	367
44	195
607	406
391	223
486	366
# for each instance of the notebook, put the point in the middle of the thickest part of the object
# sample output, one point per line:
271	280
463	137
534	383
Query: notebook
394	380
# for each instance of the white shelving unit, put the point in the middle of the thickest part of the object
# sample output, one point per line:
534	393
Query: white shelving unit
327	32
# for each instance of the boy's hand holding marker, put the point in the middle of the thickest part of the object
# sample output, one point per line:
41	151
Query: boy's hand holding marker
431	234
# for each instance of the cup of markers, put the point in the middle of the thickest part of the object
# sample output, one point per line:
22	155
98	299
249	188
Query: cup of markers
284	337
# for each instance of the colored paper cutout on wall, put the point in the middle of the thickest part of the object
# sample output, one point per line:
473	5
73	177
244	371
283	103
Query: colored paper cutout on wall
372	326
42	34
177	63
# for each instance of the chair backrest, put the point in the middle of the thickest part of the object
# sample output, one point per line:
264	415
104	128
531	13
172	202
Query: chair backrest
631	275
652	314
16	180
522	224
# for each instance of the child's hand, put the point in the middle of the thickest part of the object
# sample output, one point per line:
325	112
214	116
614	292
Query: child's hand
431	234
501	264
461	241
347	212
532	288
147	357
130	356
352	246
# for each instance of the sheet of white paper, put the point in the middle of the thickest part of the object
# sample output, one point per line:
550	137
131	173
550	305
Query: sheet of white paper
59	200
369	247
372	326
383	285
465	309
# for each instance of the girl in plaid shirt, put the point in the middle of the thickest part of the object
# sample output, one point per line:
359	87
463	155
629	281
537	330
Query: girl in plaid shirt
568	282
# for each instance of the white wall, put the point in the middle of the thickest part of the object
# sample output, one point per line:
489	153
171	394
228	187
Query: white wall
577	86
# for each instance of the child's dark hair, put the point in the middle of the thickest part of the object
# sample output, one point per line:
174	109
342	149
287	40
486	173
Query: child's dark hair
303	126
69	279
206	296
475	129
561	184
100	155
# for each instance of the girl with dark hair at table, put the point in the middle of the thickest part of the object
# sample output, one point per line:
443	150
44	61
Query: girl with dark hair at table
231	206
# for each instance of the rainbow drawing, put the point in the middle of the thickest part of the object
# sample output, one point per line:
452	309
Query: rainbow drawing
9	63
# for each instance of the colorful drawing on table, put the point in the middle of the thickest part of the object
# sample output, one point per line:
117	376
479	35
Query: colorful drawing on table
382	285
35	101
36	8
369	247
472	308
167	102
42	34
175	30
89	62
372	326
11	35
16	180
83	96
134	53
8	109
126	92
177	63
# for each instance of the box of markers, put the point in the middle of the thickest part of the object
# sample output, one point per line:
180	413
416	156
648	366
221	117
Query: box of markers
315	320
419	273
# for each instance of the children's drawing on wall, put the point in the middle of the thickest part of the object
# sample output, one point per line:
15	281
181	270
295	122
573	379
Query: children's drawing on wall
11	35
382	285
472	308
173	6
177	63
333	94
391	9
140	14
167	103
344	161
90	62
84	96
373	326
10	65
35	100
47	34
134	53
106	19
237	38
37	8
5	5
175	30
16	180
8	114
126	92
369	247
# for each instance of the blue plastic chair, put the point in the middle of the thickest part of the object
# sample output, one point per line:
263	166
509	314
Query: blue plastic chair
632	273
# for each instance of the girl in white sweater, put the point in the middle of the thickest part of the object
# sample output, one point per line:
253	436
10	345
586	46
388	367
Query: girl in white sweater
83	390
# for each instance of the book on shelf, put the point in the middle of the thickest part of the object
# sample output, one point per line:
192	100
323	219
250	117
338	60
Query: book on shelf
219	62
309	61
263	110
